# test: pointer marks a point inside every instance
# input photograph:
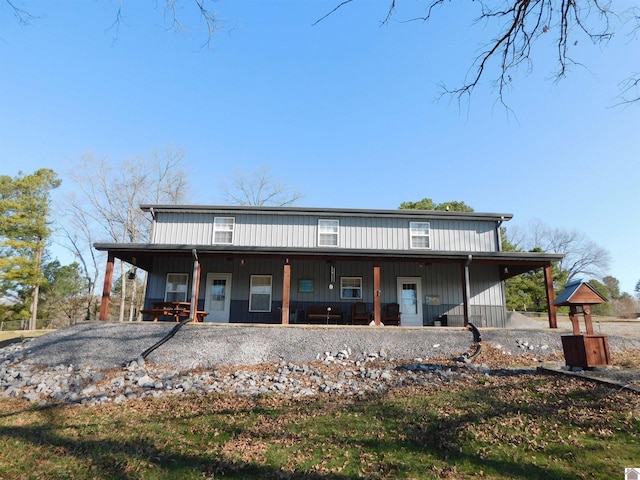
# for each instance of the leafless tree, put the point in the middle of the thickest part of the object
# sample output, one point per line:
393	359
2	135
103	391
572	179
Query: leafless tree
582	255
106	206
258	188
173	12
515	25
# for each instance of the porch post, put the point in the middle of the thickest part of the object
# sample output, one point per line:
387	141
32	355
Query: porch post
376	295
106	289
548	283
195	286
286	292
466	288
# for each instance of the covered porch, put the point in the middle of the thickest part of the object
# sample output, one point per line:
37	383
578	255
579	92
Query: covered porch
377	267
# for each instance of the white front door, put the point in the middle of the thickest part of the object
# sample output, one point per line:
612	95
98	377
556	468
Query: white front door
218	297
409	295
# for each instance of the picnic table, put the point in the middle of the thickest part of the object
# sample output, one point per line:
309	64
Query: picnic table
176	310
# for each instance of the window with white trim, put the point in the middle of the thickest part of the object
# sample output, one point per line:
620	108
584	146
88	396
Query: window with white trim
176	287
420	232
260	293
351	287
223	230
328	233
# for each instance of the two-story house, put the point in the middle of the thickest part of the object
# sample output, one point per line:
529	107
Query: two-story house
276	264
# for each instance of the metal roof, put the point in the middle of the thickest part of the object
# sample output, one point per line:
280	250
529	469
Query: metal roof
571	288
337	212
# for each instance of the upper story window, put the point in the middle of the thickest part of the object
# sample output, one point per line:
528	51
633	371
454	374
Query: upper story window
223	230
351	287
176	287
260	293
420	234
328	233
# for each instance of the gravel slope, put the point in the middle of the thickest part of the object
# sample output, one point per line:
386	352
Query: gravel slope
106	345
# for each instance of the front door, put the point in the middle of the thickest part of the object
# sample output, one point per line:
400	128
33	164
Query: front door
409	294
218	297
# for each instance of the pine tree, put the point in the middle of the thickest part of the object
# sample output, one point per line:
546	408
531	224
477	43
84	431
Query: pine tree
24	231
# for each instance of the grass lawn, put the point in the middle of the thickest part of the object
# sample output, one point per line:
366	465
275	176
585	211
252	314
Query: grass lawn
503	427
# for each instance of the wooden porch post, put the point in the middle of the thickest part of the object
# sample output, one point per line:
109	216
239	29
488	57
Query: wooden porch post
548	282
376	295
575	321
106	289
466	288
195	287
286	292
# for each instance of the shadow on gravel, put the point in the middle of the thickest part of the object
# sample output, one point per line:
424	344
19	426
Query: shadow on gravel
6	343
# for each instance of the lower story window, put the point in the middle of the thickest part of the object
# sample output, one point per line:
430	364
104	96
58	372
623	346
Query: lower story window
176	288
351	287
260	296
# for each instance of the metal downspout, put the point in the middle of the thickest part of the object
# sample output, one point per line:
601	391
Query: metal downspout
467	290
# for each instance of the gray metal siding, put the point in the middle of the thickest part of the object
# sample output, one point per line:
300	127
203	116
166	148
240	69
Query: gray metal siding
184	228
300	231
275	231
462	235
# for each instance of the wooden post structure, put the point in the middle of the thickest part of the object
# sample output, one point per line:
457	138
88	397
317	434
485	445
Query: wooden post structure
575	320
551	307
195	286
286	292
106	289
376	295
583	350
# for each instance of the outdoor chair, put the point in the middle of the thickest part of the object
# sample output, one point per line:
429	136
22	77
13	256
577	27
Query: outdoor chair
391	315
360	315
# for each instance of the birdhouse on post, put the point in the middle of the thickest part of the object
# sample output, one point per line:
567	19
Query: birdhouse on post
588	349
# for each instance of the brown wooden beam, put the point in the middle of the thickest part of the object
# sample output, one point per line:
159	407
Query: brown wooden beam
575	320
195	287
286	293
551	308
588	322
106	289
376	295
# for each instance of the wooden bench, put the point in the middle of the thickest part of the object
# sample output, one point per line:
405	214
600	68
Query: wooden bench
321	314
156	313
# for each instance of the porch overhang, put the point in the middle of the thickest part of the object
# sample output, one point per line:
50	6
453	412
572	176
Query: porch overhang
510	263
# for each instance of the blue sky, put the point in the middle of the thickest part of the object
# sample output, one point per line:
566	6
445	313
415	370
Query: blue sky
347	111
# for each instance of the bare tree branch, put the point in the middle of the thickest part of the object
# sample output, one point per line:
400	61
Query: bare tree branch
331	12
518	24
23	16
261	188
582	256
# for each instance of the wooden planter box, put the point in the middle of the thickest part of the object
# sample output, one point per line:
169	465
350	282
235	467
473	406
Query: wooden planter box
586	350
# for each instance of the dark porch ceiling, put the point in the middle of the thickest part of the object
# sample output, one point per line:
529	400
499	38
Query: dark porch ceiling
511	263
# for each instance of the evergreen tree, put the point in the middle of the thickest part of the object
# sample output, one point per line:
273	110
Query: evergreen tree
429	204
24	231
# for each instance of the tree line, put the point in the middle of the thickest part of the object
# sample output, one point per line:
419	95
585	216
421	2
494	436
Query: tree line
38	291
